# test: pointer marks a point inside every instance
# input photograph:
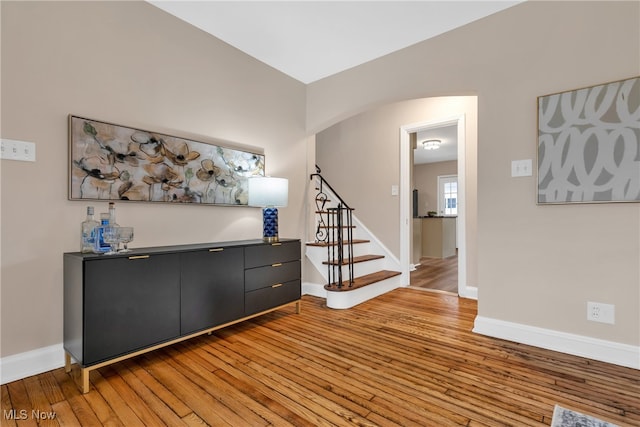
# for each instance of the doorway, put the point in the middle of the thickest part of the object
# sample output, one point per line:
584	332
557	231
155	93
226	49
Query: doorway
406	198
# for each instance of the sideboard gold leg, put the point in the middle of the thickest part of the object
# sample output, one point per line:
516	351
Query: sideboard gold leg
67	362
84	375
298	306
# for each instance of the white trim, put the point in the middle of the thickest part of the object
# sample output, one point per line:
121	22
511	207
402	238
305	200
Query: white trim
405	187
33	362
405	203
377	246
470	292
314	289
578	345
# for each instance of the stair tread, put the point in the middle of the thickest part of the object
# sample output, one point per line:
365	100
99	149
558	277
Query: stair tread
324	244
334	211
362	281
362	258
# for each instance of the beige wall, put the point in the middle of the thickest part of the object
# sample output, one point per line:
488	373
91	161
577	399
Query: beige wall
425	180
128	63
537	265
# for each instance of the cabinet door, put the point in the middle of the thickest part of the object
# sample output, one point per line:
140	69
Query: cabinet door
212	288
129	304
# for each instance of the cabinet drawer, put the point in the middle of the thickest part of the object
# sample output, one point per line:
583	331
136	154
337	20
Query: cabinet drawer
260	255
266	298
262	277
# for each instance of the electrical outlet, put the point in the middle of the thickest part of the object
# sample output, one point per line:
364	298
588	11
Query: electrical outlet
17	150
600	312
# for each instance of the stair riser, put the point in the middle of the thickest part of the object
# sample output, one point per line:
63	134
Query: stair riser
318	255
348	299
359	249
363	268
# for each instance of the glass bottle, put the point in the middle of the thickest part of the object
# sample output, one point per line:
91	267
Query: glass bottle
88	232
112	215
100	246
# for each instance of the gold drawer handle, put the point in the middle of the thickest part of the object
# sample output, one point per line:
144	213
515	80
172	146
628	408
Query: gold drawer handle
277	285
216	250
276	244
139	257
277	264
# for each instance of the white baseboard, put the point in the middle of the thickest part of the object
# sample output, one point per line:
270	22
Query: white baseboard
578	345
470	292
314	289
22	365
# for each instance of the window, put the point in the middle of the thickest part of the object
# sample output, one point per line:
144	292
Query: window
448	195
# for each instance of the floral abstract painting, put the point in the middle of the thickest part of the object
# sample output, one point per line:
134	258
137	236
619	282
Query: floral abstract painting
112	162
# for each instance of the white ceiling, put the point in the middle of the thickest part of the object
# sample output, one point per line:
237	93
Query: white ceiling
448	148
310	40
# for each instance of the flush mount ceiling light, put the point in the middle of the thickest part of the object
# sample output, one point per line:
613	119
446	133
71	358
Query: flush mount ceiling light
431	144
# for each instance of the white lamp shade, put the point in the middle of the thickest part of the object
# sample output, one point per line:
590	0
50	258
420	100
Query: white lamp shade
268	191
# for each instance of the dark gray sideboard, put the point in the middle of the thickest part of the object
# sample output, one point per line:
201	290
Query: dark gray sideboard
119	306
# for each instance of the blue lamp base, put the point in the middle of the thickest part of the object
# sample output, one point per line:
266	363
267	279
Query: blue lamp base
270	225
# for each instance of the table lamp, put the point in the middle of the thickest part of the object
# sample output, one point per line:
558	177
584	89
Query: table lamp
269	193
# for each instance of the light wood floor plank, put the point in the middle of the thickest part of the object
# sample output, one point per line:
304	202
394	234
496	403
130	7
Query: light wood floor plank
204	405
243	409
20	404
436	274
106	386
406	358
145	409
67	416
51	388
103	411
154	403
8	419
159	390
43	413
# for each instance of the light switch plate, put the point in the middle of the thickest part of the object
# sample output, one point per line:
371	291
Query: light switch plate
521	167
12	149
394	190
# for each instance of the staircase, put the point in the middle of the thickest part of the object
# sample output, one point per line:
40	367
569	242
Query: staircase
354	264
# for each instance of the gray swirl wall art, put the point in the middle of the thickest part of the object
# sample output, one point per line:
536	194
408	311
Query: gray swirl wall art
589	144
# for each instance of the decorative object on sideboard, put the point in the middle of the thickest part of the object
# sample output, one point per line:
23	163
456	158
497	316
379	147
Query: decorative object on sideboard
113	162
88	232
589	144
269	193
100	245
125	236
104	237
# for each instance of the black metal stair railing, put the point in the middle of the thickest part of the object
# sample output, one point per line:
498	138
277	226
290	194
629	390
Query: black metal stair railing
335	230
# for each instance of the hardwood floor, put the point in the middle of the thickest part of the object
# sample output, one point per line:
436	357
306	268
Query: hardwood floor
437	274
406	358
